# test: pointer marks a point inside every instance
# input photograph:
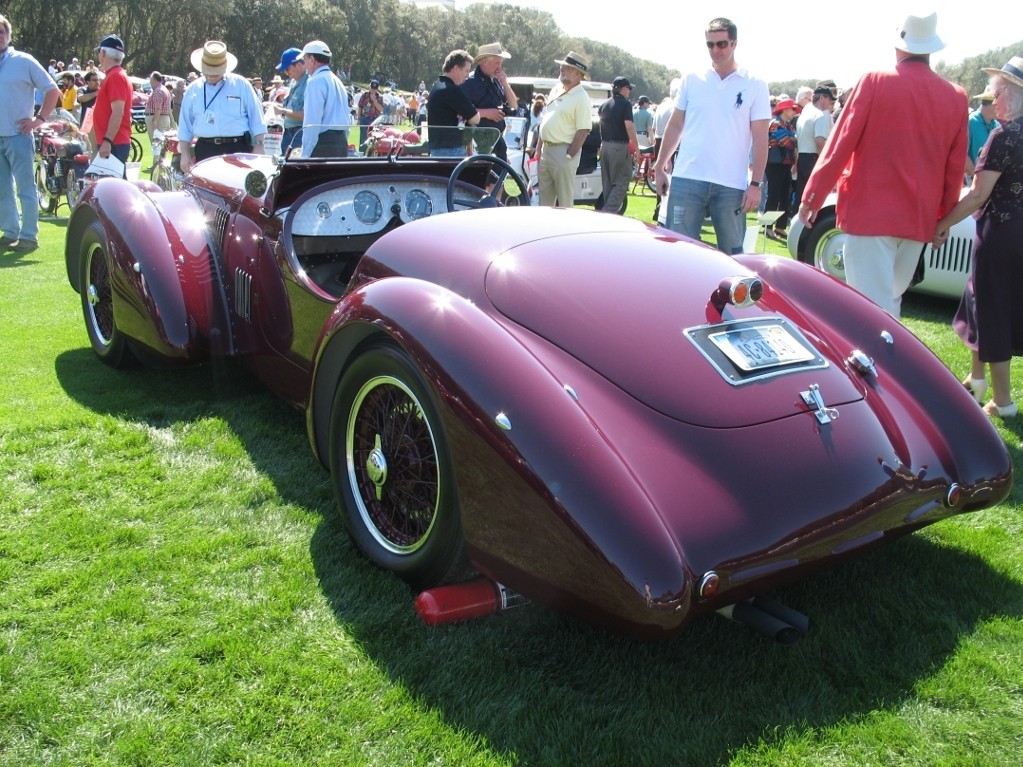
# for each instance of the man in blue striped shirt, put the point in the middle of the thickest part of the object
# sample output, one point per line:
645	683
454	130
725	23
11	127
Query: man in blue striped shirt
327	118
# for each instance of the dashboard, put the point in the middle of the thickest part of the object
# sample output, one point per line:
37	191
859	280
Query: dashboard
368	206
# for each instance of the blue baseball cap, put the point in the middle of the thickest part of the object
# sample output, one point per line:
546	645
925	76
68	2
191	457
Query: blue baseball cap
288	58
111	41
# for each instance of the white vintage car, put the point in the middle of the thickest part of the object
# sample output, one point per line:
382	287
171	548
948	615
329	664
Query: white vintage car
588	187
941	272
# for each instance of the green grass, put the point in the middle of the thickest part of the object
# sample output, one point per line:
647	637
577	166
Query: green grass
176	589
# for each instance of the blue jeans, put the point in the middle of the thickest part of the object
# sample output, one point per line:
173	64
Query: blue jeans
291	137
690	201
16	166
451	151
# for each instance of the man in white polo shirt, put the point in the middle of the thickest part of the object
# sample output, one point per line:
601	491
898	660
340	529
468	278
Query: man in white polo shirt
721	118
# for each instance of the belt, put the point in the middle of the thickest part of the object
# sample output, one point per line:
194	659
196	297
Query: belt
612	141
218	140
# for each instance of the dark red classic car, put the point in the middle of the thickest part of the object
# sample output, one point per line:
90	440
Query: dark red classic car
597	414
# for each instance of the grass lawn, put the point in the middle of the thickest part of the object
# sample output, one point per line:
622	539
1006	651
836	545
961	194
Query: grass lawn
176	589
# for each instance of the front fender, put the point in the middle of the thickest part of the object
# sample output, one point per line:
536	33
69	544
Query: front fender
548	505
166	289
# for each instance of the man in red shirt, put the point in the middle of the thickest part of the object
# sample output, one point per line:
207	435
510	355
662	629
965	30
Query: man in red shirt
112	113
897	156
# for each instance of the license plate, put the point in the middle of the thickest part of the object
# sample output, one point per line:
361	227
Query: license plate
760	346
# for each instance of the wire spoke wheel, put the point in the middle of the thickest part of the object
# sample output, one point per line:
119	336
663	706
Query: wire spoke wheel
392	470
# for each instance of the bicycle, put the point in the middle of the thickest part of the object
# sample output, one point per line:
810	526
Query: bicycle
643	168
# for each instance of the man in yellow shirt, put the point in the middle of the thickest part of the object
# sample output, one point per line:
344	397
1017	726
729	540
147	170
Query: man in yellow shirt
565	124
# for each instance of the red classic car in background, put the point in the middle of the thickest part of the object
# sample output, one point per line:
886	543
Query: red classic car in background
597	414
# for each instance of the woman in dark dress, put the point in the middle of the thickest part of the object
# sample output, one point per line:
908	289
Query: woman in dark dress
990	316
781	156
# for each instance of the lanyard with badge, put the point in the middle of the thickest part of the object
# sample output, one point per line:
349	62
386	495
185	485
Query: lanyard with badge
211	117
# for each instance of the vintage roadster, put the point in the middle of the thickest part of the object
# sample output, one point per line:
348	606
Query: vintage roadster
594	413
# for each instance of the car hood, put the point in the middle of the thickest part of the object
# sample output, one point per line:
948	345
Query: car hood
633	321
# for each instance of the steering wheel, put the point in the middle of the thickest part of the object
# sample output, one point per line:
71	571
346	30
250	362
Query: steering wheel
490	200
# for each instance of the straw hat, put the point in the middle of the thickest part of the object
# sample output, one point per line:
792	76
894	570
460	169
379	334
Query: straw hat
213	58
1013	72
491	49
576	61
919	35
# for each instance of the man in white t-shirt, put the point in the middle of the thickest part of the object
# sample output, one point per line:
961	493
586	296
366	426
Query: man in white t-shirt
812	130
721	117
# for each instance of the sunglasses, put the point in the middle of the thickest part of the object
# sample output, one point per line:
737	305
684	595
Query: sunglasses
719	43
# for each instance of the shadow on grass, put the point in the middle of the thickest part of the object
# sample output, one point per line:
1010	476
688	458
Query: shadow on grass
542	689
553	691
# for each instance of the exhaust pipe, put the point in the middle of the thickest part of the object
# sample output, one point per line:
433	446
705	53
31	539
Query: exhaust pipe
465	601
773	619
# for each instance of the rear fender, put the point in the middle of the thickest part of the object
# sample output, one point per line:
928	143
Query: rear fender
546	504
919	392
167	290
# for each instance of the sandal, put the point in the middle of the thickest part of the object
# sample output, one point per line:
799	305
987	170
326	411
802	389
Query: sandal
1002	411
977	387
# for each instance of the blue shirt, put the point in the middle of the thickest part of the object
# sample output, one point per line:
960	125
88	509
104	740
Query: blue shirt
326	108
20	77
979	131
224	110
296	100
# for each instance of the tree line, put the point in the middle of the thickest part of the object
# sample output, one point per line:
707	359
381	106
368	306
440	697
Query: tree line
370	38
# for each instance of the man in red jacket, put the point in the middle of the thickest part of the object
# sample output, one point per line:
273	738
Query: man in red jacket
897	156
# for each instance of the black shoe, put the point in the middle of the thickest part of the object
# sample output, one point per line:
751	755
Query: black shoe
24	246
6	243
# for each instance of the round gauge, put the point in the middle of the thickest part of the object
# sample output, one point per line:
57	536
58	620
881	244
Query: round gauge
368	208
418	204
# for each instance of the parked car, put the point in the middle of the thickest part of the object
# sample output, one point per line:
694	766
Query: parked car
594	413
941	272
588	185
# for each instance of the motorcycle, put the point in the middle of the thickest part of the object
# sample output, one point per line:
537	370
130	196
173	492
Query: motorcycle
385	140
61	160
166	171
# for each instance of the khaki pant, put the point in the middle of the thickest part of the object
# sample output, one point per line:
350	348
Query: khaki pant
157	122
557	175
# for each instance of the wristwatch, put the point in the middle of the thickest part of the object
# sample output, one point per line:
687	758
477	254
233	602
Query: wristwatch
754	183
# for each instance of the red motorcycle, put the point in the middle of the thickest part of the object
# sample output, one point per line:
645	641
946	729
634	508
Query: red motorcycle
61	160
385	140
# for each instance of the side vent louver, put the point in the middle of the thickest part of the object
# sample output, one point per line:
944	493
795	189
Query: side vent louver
243	294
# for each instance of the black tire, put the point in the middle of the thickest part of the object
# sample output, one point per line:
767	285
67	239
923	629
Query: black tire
47	200
823	246
392	471
94	263
135	153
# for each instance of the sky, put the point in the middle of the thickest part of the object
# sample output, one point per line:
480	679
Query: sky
835	39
